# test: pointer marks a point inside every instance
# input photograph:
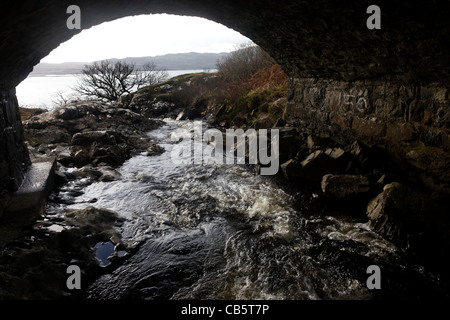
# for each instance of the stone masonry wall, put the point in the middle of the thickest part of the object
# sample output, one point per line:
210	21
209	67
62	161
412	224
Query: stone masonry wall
14	154
412	122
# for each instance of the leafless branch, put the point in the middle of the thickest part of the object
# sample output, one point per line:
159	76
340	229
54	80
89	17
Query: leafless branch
109	80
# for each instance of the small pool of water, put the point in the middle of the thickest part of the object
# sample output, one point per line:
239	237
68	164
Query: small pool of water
103	251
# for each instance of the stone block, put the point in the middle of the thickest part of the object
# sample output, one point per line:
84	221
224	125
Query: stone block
28	202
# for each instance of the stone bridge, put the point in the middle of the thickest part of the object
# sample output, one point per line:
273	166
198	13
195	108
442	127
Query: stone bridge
386	86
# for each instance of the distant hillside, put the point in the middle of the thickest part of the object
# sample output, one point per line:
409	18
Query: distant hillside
176	61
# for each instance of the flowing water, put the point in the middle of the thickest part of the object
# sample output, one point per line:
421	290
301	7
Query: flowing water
224	232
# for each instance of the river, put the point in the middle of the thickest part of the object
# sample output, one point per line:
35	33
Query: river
223	232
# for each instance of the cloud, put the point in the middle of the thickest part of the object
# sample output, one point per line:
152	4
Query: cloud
147	35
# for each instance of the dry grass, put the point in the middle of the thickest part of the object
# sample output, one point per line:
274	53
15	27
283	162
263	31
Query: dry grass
27	113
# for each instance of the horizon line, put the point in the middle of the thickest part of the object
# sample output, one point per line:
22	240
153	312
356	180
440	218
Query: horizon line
159	55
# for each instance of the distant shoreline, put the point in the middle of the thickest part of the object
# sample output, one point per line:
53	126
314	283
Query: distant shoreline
36	75
168	62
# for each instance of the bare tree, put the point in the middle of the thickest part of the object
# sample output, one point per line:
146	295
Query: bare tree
243	62
109	80
61	98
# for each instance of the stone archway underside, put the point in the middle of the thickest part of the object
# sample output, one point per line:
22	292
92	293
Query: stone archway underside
401	71
310	38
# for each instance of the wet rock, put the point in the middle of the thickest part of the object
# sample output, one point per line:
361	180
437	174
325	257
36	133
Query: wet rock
387	212
341	186
342	158
191	114
61	150
113	155
154	149
94	220
60	177
359	149
109	174
87	172
411	219
144	178
36	265
335	153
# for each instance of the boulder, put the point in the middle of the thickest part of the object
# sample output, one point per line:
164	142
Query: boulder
291	169
67	112
410	219
78	154
109	174
160	108
384	218
86	139
341	186
316	165
47	136
114	155
312	168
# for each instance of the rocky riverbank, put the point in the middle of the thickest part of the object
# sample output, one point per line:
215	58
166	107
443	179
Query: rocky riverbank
89	141
87	132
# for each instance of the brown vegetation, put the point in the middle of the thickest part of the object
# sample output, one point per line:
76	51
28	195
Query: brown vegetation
249	90
252	83
27	113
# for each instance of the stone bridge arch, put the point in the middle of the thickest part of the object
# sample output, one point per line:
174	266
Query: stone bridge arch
324	46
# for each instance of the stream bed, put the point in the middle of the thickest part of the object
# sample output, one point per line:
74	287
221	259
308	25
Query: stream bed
224	232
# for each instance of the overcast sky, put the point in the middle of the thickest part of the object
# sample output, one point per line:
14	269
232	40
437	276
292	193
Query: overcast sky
146	35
